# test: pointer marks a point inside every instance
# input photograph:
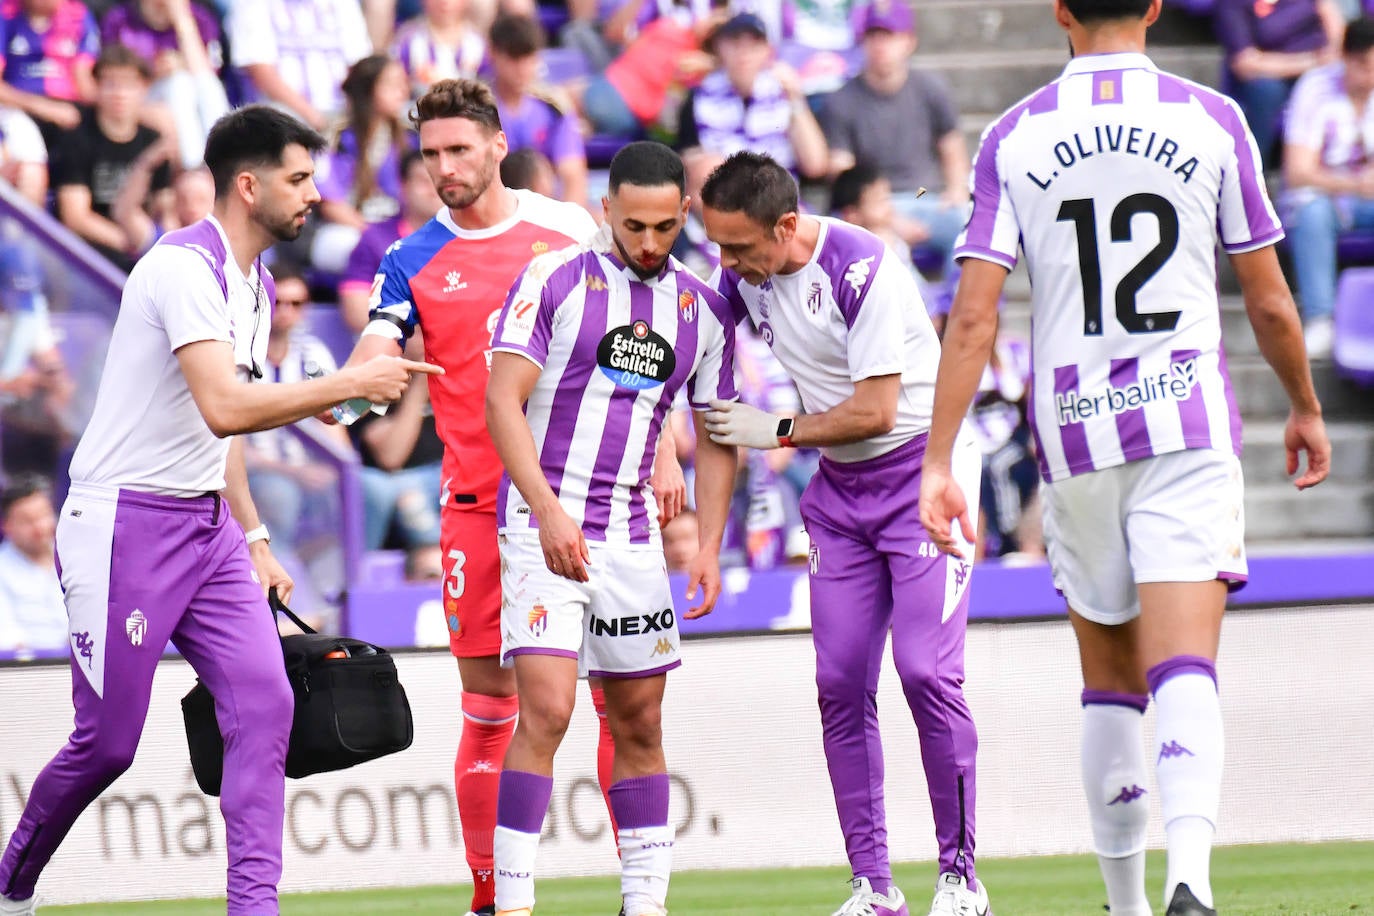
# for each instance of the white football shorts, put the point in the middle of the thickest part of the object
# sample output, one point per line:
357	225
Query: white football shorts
620	623
1178	517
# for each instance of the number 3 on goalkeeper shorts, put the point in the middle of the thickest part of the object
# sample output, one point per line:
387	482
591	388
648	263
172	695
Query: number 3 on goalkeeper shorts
457	582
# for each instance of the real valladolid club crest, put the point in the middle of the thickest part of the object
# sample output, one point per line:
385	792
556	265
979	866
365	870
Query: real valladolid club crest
135	627
539	619
687	305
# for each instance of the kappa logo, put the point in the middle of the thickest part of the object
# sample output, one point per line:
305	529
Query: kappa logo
1127	795
539	619
857	274
135	627
85	647
662	647
595	284
961	574
1173	749
455	282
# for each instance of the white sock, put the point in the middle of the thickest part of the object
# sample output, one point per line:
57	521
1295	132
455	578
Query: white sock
646	860
1188	763
1190	855
515	852
1114	780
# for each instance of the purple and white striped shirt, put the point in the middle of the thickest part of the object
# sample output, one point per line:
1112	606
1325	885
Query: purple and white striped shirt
1118	181
614	351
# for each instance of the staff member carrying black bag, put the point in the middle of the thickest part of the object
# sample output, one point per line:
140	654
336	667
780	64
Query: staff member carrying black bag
350	707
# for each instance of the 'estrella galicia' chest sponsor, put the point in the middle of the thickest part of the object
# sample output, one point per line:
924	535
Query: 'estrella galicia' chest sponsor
633	356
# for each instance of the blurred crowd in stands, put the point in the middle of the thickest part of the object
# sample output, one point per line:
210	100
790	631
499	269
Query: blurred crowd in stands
104	110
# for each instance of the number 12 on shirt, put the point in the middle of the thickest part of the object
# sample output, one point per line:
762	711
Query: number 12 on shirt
1083	214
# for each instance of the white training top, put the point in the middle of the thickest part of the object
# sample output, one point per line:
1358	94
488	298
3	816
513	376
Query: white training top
852	312
1118	181
146	432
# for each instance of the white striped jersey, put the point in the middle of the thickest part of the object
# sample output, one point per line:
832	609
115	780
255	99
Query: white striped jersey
614	351
852	312
1117	181
1321	117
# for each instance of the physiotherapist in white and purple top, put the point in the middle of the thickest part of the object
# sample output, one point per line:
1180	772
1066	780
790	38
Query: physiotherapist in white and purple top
1119	181
151	541
590	350
845	319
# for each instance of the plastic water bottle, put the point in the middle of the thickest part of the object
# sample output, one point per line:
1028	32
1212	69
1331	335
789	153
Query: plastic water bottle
347	413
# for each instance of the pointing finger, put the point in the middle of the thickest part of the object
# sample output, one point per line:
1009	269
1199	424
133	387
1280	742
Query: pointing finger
411	365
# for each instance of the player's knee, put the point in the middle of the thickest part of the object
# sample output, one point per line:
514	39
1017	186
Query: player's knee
546	717
919	677
265	696
110	755
836	683
639	728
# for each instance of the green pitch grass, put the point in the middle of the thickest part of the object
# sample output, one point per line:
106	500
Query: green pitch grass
1298	880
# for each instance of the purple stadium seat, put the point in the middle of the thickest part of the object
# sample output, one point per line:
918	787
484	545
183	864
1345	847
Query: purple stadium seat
383	568
325	322
1353	349
601	148
1355	248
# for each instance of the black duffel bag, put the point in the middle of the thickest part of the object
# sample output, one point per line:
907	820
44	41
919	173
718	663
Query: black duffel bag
350	707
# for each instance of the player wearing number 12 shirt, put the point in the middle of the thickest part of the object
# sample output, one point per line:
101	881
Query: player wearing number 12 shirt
1118	181
449	279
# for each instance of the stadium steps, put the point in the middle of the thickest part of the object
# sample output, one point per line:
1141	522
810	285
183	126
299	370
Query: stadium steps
1009	25
989	82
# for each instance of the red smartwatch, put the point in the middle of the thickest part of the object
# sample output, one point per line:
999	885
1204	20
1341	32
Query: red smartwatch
785	433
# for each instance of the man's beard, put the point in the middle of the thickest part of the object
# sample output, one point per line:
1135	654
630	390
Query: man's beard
464	196
284	229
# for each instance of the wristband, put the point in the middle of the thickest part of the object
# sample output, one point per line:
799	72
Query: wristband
785	433
257	534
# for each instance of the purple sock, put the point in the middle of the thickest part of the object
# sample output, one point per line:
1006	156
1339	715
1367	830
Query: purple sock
640	801
523	800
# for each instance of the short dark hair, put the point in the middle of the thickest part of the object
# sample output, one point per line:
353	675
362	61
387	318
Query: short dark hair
118	55
1359	36
252	137
20	487
516	36
647	164
752	184
1088	12
461	98
850	185
519	168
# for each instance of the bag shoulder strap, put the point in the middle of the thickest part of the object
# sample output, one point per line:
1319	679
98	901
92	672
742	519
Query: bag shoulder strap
277	607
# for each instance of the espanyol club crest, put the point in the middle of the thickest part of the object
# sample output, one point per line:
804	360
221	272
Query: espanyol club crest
687	305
